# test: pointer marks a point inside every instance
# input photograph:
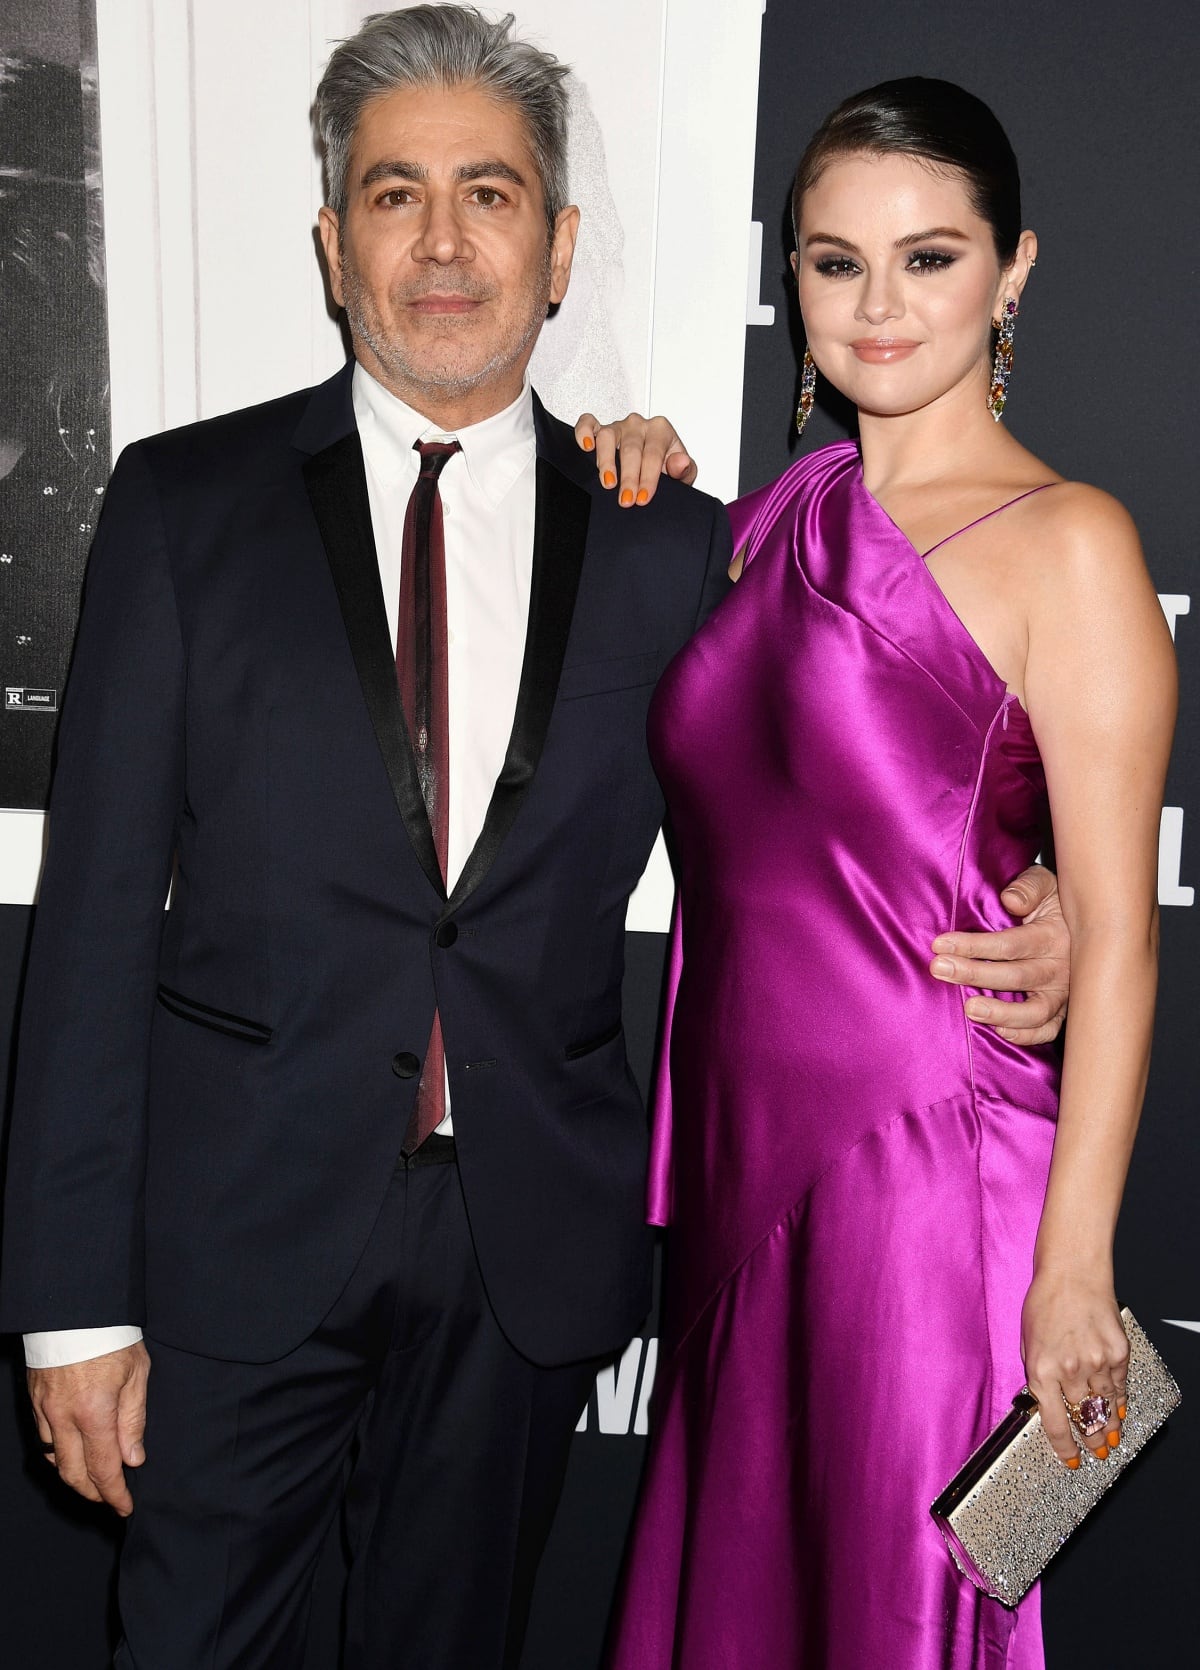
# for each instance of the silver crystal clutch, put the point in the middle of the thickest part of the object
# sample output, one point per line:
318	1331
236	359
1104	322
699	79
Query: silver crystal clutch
1011	1507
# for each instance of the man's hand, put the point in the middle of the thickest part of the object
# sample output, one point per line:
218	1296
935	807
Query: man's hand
91	1418
1034	958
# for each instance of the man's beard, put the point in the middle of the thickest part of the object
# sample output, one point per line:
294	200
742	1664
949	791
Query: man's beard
399	363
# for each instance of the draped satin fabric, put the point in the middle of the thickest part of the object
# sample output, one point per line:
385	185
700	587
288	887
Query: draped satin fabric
852	1172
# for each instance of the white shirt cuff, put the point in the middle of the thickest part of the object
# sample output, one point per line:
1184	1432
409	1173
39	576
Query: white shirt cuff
76	1345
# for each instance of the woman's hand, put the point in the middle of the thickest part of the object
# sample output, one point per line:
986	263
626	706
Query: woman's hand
648	448
1074	1347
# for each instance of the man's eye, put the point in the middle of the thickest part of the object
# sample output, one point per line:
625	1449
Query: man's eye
487	196
397	197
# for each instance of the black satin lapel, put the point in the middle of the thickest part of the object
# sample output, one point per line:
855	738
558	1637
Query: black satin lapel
559	538
337	489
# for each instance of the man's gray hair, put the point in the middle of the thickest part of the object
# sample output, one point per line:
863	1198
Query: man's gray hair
443	46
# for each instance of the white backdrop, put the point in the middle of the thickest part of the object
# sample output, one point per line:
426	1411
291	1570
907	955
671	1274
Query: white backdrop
211	190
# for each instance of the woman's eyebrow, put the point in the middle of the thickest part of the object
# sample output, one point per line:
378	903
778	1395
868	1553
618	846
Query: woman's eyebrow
934	232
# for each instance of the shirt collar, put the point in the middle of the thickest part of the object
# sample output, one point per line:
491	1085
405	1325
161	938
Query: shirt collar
495	451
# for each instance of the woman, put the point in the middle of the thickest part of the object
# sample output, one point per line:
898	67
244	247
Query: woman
883	1225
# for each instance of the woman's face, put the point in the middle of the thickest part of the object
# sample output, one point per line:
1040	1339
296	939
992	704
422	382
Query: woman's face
899	282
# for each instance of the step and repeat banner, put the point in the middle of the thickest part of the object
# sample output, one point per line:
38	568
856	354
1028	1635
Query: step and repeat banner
158	192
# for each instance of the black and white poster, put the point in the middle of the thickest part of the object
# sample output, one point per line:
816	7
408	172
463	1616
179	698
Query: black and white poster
54	446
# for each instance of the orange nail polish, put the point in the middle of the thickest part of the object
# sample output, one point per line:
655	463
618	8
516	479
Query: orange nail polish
1120	1411
1114	1438
609	479
627	495
588	444
1072	1462
1102	1453
643	496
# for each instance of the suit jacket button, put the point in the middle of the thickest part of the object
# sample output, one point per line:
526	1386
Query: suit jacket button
406	1065
446	935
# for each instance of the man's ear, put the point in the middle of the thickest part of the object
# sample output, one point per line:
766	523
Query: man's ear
331	243
562	252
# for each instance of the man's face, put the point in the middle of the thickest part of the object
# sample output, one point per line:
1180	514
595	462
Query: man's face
443	260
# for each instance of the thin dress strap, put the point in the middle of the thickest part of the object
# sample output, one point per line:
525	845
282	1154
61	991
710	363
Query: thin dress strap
987	516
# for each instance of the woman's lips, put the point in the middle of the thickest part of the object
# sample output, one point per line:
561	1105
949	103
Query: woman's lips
883	350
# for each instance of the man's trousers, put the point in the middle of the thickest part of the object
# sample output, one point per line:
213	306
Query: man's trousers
409	1407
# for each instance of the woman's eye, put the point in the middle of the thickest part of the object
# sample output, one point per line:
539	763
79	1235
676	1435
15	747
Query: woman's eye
929	261
837	266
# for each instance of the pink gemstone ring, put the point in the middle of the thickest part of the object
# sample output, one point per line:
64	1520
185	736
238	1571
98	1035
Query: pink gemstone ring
1090	1414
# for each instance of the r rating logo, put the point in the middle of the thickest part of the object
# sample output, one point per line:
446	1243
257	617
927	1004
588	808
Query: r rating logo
18	698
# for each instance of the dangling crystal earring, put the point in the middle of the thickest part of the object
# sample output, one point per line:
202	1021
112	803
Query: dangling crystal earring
808	387
1002	366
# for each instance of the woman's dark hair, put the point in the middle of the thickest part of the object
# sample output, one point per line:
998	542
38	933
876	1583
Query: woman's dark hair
940	124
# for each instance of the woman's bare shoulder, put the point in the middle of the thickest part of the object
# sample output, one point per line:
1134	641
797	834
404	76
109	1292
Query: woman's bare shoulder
1086	576
1090	508
1079	530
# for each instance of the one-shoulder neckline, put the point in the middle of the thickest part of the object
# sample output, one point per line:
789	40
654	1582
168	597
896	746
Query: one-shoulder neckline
951	613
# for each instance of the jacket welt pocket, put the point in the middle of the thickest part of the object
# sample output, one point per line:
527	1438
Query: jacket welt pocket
218	1020
617	672
588	1046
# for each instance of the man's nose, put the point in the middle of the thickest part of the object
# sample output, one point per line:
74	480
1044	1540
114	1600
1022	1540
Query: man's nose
443	236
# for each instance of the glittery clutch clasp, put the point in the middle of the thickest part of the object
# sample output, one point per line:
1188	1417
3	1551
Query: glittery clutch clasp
1013	1504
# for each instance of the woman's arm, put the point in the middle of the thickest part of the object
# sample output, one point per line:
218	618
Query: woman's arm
638	449
1100	688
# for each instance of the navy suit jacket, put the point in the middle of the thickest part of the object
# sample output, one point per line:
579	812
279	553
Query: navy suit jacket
210	1103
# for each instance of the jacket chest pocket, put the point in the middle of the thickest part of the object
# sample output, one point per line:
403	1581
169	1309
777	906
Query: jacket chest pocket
612	673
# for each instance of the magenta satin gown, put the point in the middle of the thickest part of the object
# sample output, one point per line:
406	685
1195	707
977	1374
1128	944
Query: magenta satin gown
855	1174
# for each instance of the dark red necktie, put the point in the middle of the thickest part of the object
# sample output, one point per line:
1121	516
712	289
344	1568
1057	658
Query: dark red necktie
421	668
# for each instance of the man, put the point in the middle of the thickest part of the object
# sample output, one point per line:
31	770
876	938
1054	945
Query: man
353	1138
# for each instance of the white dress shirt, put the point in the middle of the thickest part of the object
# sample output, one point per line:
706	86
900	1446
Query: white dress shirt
488	505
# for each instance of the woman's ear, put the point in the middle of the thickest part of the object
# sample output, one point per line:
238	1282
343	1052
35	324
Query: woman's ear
1015	276
1023	263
